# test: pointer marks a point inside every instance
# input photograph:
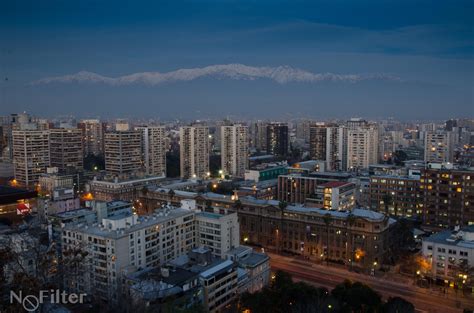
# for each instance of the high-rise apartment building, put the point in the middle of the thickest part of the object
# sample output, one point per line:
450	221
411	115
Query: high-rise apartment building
153	150
439	146
234	150
217	232
66	151
448	196
317	141
194	151
93	136
277	139
396	195
362	144
31	155
123	154
303	130
259	135
328	143
126	240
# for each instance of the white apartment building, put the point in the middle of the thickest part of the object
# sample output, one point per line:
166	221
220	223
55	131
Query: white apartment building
92	136
449	252
336	145
123	155
217	232
31	155
123	241
234	150
362	147
66	150
334	195
219	285
194	151
153	149
256	266
439	147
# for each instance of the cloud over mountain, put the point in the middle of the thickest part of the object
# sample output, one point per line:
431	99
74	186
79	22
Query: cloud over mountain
280	74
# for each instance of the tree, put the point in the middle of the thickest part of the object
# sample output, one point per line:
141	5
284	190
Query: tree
397	305
351	219
399	157
171	194
357	297
94	162
282	205
403	233
209	206
387	201
286	296
463	273
237	204
327	219
172	164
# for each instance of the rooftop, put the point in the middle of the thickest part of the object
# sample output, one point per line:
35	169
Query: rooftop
404	177
261	157
176	276
254	259
361	213
223	265
74	213
331	174
462	238
142	222
210	215
335	184
127	182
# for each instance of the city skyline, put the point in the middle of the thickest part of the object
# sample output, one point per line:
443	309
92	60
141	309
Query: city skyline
237	156
332	60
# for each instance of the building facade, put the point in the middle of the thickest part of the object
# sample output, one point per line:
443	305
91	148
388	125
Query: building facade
334	195
362	147
93	132
277	139
359	238
448	197
194	151
66	150
439	146
450	255
396	195
153	150
217	232
31	155
123	154
125	240
234	150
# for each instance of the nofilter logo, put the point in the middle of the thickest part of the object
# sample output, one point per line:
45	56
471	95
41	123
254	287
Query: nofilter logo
32	302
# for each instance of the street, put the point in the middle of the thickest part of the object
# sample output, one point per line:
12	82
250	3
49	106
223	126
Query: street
424	300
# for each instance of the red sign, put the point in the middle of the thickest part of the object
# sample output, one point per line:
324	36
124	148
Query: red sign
23	208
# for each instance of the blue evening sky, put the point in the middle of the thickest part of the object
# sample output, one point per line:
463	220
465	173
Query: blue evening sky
427	44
